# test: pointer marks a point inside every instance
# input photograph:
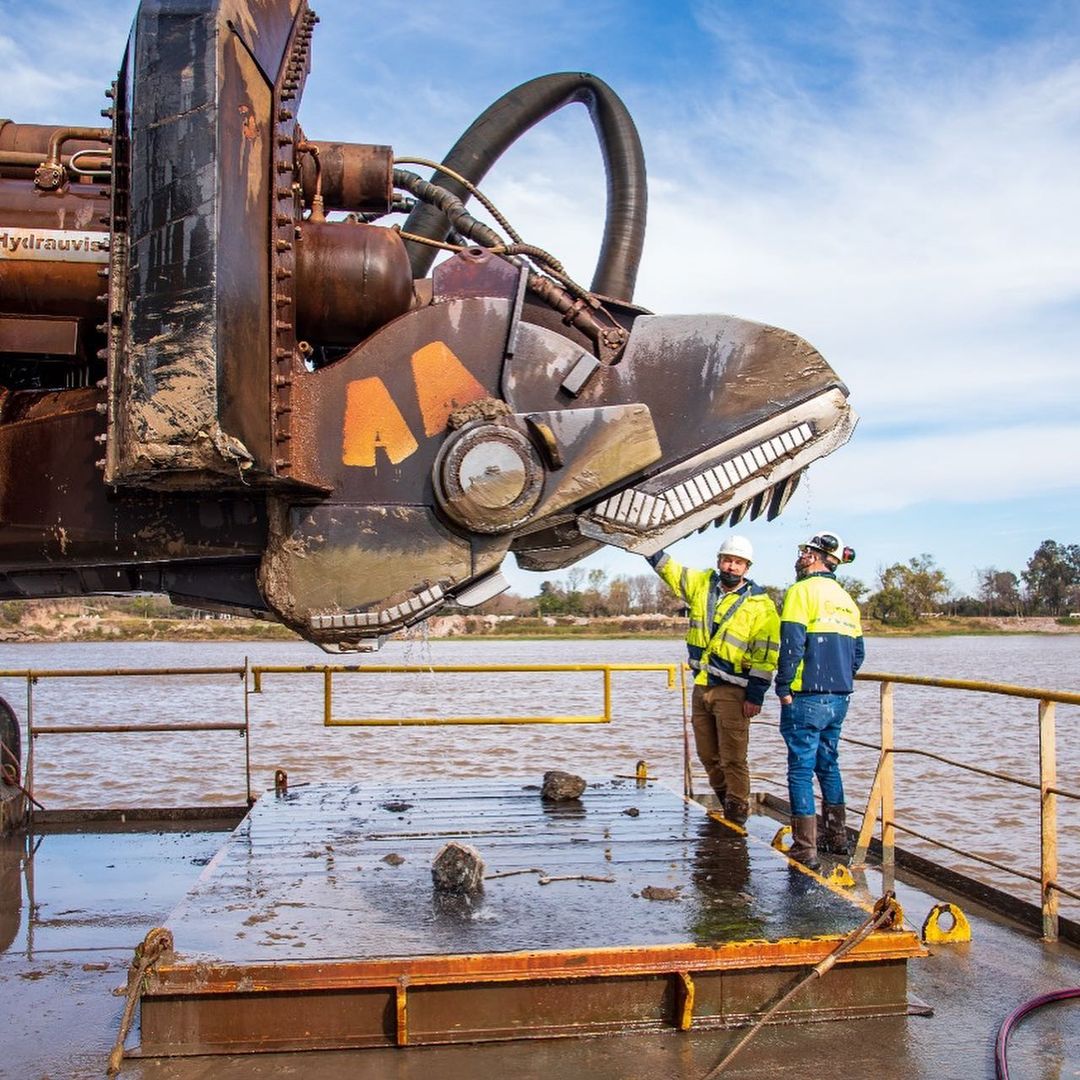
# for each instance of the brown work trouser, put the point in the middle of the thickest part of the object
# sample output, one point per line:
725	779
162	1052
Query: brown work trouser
722	738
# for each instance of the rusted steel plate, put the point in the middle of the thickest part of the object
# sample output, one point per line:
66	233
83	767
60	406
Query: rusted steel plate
205	978
39	336
468	1013
371	425
302	906
99	528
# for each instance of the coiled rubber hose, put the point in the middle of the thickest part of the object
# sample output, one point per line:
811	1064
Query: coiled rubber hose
501	124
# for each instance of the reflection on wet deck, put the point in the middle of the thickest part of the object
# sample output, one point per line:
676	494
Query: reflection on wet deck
322	899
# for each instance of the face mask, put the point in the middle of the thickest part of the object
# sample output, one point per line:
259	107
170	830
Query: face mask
729	579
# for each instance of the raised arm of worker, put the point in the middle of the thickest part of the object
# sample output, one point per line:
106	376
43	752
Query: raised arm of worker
683	581
692	587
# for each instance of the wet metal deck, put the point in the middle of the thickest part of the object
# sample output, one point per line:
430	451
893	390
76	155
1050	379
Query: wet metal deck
316	924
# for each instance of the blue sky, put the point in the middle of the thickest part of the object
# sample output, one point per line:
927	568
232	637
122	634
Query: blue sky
894	182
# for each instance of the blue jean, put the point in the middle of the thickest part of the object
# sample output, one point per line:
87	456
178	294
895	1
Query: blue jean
811	728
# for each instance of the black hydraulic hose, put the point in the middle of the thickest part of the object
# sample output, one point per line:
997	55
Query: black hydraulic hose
1001	1061
582	312
449	207
464	226
504	122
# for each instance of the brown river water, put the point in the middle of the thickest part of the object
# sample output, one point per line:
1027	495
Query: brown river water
968	811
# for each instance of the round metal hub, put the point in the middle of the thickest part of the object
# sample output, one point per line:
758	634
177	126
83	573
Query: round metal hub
492	475
488	477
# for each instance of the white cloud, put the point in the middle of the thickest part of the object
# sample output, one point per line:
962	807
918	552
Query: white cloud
956	210
58	56
972	467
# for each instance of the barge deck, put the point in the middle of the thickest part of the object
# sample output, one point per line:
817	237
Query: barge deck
630	909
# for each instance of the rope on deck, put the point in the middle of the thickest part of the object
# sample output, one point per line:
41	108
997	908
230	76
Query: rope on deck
886	914
156	943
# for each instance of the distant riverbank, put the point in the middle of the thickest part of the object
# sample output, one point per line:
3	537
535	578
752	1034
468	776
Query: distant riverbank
553	626
66	620
663	626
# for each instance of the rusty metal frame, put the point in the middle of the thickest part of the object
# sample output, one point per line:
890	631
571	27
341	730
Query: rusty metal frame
286	206
178	996
442	970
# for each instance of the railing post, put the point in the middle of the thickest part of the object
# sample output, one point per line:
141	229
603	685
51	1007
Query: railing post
888	801
28	775
247	731
1048	863
866	830
688	767
328	696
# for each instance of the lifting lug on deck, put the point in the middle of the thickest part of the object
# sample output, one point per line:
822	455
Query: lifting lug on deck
933	933
841	877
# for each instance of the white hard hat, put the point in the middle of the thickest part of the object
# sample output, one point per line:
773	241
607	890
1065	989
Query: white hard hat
831	546
737	547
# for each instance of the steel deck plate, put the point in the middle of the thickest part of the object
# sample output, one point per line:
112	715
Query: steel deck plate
321	906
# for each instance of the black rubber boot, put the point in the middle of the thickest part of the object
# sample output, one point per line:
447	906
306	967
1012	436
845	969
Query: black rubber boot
735	810
804	841
834	838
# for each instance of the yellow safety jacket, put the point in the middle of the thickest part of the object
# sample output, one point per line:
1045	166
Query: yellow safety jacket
821	642
733	637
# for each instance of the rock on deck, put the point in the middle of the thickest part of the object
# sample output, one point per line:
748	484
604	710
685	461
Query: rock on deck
316	924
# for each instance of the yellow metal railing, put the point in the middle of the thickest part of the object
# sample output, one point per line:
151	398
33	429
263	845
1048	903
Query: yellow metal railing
329	671
252	681
34	730
881	803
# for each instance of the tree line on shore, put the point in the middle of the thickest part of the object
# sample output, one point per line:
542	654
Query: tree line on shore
905	592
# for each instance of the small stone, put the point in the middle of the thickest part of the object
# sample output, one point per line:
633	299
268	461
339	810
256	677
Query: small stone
397	807
655	892
394	859
561	786
458	868
632	811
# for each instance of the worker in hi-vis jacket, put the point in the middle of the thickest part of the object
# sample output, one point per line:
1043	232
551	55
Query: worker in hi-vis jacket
821	649
733	641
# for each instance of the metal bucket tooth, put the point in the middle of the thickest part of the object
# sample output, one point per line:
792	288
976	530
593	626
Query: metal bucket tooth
781	495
